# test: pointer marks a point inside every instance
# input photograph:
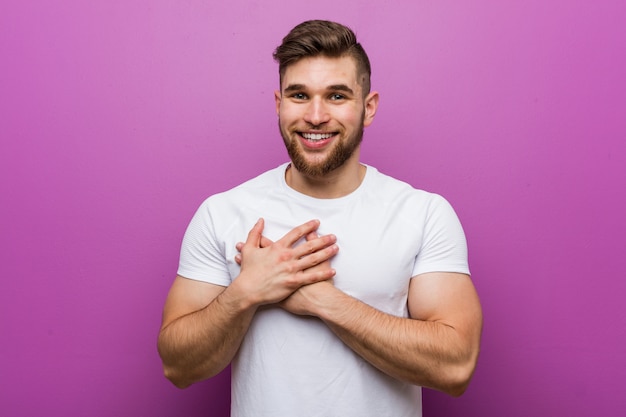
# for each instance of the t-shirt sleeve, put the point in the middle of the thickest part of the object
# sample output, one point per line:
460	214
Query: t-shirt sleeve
444	247
202	254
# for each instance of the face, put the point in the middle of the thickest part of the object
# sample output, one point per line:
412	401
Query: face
322	113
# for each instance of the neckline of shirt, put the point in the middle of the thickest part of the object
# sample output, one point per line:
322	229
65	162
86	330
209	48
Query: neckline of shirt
369	173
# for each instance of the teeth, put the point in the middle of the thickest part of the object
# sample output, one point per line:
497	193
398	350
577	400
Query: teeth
316	136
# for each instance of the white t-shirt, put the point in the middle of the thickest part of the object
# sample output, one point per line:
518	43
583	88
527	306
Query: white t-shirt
387	232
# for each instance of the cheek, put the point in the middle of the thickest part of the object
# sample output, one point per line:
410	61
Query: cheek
350	116
288	115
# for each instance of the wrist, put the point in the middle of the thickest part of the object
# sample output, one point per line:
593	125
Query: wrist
239	298
328	302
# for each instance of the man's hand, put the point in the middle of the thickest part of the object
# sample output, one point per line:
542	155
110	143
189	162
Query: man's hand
303	300
272	271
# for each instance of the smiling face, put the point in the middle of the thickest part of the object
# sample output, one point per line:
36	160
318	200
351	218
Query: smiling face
322	113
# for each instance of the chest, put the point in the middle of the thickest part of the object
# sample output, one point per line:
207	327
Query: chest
377	249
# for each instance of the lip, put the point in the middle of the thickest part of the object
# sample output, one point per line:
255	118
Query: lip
316	140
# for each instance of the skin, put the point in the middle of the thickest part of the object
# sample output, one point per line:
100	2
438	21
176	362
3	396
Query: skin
204	324
323	96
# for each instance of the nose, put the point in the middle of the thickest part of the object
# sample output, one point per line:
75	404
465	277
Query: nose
316	112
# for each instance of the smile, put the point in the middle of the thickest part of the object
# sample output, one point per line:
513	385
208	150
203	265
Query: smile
315	137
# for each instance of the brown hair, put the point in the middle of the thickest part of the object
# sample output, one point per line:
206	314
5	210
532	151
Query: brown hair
323	38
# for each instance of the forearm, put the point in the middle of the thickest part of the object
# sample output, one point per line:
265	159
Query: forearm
204	324
425	353
201	344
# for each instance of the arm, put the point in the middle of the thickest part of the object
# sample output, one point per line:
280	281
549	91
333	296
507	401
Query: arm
203	324
437	347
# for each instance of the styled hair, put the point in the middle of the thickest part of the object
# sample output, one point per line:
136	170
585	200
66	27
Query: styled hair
323	38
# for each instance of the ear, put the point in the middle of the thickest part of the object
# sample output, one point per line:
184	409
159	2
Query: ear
278	98
371	105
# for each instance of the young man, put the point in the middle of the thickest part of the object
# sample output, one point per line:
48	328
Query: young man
333	289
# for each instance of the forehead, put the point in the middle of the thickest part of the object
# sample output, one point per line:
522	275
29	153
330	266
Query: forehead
321	71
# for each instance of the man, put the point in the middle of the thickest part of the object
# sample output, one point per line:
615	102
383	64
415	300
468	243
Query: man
333	289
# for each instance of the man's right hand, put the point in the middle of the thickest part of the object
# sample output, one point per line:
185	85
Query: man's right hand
271	271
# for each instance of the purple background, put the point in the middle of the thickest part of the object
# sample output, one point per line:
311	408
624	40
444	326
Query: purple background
117	118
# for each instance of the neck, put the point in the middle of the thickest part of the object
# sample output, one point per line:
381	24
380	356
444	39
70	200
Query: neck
338	183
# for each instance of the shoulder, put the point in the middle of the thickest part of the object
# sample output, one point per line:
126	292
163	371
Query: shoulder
400	193
414	208
222	210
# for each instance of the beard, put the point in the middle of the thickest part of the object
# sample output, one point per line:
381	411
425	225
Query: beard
342	150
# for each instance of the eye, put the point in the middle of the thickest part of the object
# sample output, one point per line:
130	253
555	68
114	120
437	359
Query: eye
337	96
299	96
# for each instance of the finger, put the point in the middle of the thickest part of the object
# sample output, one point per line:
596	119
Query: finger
238	259
311	277
254	236
315	245
299	232
265	242
312	235
318	256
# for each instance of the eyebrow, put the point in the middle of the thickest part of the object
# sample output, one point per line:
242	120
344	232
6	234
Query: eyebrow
335	87
294	87
341	87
